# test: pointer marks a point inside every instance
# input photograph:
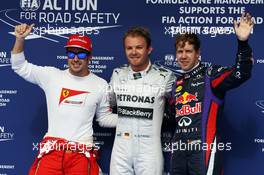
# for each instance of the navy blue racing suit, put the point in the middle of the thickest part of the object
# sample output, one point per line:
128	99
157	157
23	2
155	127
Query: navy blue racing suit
198	103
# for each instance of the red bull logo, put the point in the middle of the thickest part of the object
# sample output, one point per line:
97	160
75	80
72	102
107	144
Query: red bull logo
186	98
188	110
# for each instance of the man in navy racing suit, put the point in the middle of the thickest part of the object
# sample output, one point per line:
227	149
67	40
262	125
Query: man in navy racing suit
198	102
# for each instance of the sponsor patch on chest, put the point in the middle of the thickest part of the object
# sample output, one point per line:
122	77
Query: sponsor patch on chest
131	112
72	97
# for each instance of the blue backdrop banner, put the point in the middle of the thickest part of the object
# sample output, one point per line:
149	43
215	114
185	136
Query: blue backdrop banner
23	111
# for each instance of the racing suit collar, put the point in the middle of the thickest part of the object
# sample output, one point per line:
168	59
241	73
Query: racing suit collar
188	71
137	75
194	71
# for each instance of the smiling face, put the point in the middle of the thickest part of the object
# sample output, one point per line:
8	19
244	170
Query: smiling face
137	52
187	56
78	67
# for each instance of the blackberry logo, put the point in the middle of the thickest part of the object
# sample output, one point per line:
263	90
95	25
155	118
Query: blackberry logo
132	112
29	5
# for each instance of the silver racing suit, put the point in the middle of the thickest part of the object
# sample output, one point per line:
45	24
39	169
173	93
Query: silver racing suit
140	100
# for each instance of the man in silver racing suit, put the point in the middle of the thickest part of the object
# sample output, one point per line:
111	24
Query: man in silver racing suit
139	92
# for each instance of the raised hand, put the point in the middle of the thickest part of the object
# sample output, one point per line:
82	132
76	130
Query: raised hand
23	30
244	27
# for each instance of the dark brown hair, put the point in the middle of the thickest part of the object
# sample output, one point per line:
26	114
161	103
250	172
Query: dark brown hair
191	38
138	31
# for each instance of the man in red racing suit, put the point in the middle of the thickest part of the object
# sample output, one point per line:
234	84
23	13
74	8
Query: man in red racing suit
74	96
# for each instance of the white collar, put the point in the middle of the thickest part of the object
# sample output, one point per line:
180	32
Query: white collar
140	73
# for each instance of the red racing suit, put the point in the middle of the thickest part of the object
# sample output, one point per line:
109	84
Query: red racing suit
57	156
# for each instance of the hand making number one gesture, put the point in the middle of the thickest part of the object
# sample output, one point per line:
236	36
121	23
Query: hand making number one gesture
23	30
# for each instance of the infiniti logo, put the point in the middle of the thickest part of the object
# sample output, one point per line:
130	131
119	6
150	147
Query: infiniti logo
184	121
260	104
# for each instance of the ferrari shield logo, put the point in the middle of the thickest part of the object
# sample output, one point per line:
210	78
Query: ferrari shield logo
65	93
